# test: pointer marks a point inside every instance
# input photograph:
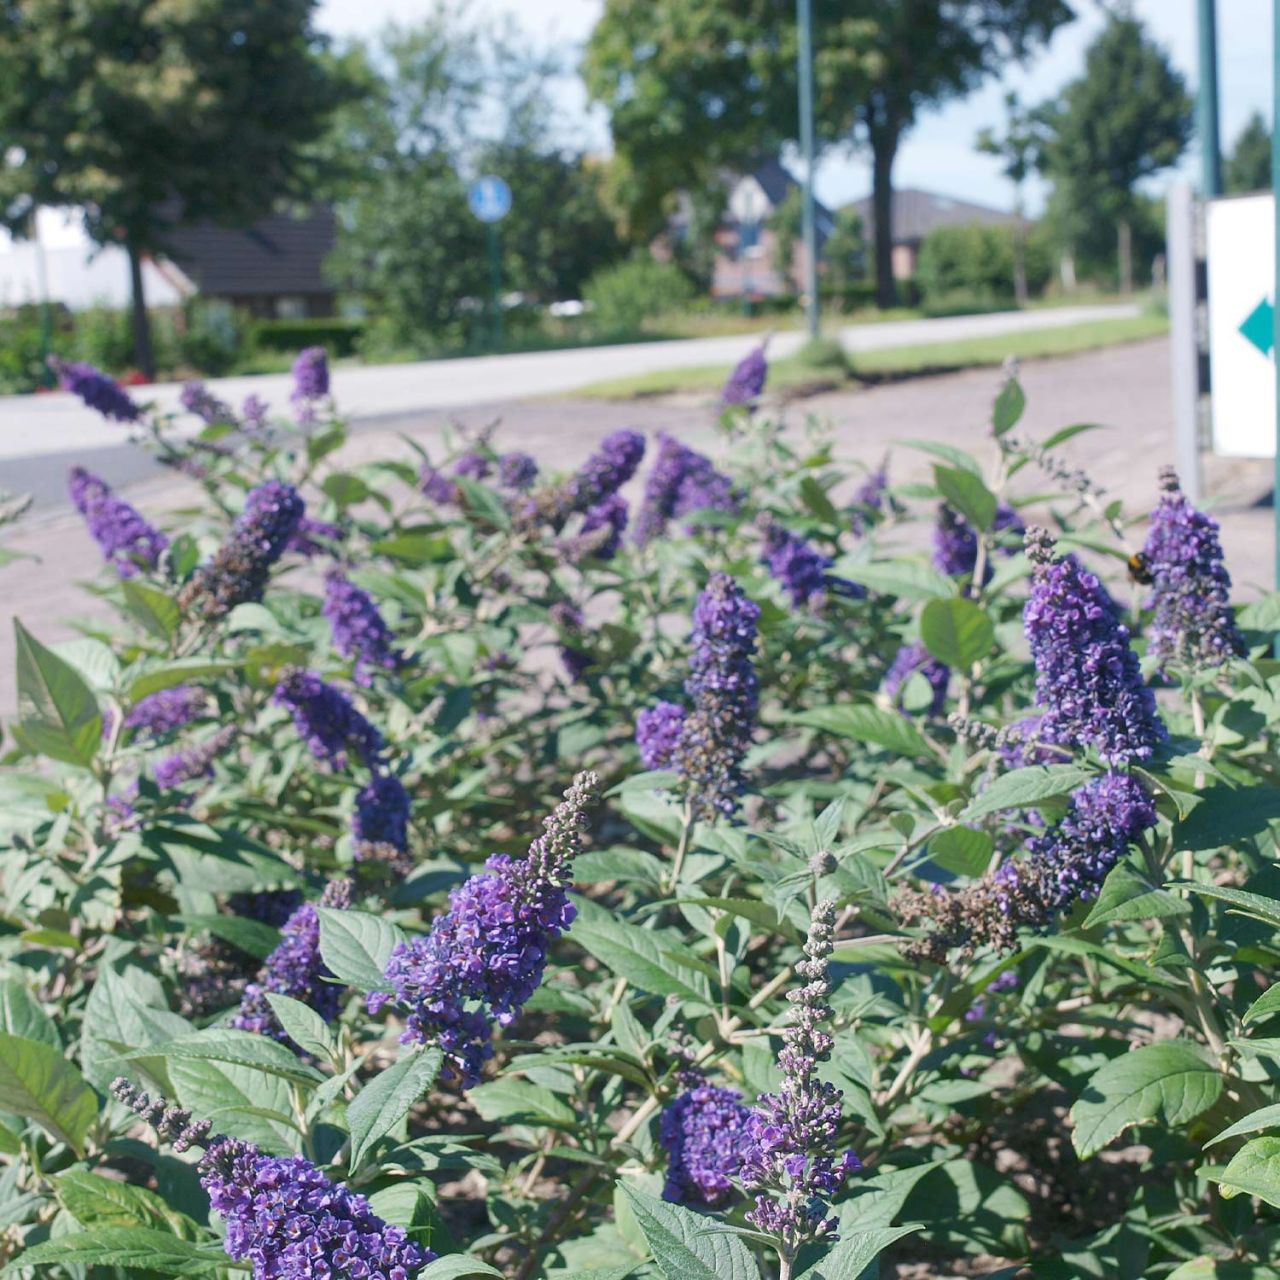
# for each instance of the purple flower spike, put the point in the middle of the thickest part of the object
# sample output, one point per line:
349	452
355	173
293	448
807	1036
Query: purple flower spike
746	382
517	472
868	501
912	658
704	1133
310	375
1087	677
290	1222
194	762
196	398
567	618
485	956
98	390
326	720
295	969
680	482
311	535
238	573
166	710
1193	626
607	470
724	691
126	539
382	816
658	731
601	534
802	569
253	413
791	1161
436	485
358	629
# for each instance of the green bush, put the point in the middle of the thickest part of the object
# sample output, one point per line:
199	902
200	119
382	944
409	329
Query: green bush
847	298
977	261
213	337
104	337
338	335
622	298
22	353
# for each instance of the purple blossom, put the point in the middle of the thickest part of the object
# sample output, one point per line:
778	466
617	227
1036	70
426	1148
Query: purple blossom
436	485
238	573
358	629
791	1159
196	398
271	906
290	1222
128	542
98	390
869	500
193	762
382	815
704	1132
747	380
955	543
658	731
1087	677
485	956
981	1009
601	534
913	658
1193	625
606	470
164	711
473	465
310	375
802	569
724	692
253	413
306	538
567	618
326	720
680	482
517	471
295	969
1024	743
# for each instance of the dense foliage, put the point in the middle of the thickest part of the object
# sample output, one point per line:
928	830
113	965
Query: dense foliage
433	872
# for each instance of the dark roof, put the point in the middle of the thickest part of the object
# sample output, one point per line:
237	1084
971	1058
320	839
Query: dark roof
916	213
279	254
777	184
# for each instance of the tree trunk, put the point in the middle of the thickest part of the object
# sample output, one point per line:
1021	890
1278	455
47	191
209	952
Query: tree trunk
1125	236
1067	271
884	147
143	355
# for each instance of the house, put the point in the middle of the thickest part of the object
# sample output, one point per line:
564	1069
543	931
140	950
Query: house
746	244
272	268
916	213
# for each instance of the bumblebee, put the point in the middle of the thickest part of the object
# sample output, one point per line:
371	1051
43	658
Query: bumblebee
1140	568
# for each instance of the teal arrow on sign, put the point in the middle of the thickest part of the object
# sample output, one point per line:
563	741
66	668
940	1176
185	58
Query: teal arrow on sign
1259	327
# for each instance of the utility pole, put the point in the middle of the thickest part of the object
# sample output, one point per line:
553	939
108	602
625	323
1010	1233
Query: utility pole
1207	102
1275	283
804	24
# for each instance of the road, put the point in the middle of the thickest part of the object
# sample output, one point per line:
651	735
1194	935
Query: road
1125	388
40	435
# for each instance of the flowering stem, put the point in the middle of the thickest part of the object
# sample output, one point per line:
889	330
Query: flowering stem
687	824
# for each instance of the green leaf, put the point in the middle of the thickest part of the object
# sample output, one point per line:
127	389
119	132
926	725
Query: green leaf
679	1247
956	631
1267	1004
1227	815
967	494
356	946
867	724
1263	1118
520	1101
303	1025
1008	407
906	579
92	1199
963	851
156	612
484	501
136	1250
172	674
254	937
814	496
58	714
1172	1081
856	1251
454	1265
387	1098
1025	788
241	1102
1241	902
415	549
36	1081
241	1048
1127	894
22	1015
650	961
1254	1170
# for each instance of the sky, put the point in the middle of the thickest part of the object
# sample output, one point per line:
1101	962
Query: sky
938	154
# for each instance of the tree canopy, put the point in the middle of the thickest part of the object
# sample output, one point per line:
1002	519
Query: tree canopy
1248	166
145	112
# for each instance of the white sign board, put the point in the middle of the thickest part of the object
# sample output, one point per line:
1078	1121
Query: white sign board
1241	245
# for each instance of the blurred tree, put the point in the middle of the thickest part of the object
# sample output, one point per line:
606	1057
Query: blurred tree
144	112
1128	117
1017	150
845	253
1248	167
692	89
443	102
786	222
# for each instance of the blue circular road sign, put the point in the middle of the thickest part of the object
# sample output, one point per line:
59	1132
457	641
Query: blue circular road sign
489	198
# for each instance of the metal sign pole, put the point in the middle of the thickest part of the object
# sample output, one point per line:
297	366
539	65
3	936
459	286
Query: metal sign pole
495	284
804	22
1275	297
1184	347
1207	102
